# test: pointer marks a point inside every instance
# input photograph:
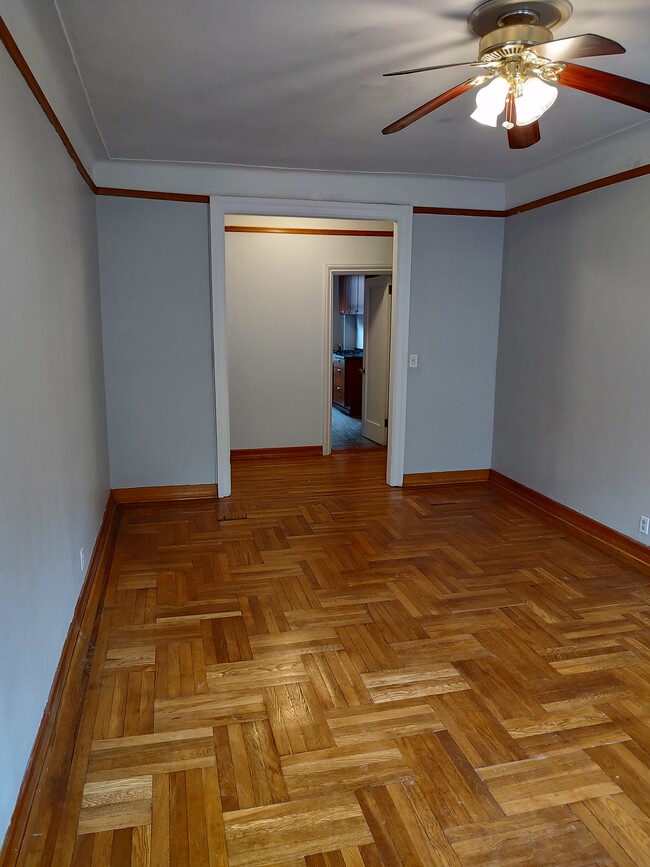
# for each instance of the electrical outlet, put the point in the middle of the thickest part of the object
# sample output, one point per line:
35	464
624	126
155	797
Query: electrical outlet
82	559
413	360
644	524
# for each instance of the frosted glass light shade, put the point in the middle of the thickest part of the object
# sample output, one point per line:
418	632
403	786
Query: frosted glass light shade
535	98
491	101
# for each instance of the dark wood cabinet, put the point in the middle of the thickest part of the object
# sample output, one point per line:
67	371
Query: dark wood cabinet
351	292
347	384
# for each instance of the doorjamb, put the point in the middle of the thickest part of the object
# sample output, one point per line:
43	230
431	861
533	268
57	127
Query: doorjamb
402	217
330	271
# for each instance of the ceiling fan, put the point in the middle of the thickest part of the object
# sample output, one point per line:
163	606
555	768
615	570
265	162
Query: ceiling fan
520	63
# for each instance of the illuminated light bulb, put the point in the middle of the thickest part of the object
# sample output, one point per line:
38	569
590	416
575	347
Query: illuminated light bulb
535	98
490	101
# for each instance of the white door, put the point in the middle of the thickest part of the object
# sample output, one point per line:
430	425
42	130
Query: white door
376	354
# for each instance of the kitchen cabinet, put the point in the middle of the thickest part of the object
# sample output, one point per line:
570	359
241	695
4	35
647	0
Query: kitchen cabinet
351	292
347	374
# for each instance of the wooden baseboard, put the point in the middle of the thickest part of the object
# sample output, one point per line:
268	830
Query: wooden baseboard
615	543
373	453
451	477
163	494
55	739
269	454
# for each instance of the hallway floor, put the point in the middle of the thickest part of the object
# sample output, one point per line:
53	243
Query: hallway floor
323	671
346	433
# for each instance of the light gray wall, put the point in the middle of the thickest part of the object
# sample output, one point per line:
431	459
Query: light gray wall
455	289
157	338
276	305
53	455
573	401
155	287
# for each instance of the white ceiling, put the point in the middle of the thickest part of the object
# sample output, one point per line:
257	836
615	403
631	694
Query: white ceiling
298	83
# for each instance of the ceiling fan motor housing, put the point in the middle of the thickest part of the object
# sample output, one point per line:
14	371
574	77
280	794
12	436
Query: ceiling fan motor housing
508	24
516	34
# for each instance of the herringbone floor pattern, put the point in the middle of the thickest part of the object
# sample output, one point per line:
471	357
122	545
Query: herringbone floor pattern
326	672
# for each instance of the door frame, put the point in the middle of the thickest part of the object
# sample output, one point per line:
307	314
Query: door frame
368	366
402	217
330	272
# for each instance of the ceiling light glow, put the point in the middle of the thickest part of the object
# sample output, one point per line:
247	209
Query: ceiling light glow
491	101
533	100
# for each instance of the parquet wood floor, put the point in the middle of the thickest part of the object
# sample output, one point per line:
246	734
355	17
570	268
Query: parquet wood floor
326	672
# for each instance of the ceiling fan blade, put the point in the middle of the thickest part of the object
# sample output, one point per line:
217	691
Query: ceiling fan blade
585	45
636	94
430	106
430	68
519	136
524	136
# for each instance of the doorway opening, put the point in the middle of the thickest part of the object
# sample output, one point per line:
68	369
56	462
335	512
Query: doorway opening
401	218
360	303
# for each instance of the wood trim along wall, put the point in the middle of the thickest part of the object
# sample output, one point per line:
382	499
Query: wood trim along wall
618	178
607	181
163	494
152	194
453	477
269	454
41	792
598	184
290	230
458	212
615	543
16	55
21	64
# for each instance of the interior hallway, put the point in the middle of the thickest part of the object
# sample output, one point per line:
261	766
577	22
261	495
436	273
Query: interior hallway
346	433
322	670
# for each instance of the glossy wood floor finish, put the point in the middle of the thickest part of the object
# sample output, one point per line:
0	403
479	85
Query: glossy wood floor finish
326	672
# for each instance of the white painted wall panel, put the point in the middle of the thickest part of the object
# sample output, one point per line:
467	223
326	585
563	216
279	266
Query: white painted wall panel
276	304
573	401
455	289
426	190
53	455
155	284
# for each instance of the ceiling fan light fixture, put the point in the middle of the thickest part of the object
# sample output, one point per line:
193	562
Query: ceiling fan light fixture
534	99
491	101
518	56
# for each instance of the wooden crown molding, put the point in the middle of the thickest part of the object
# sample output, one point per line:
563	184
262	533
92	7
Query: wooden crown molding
124	193
618	178
579	190
16	55
459	212
30	79
291	230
